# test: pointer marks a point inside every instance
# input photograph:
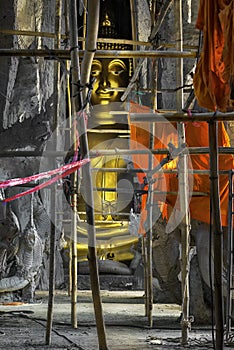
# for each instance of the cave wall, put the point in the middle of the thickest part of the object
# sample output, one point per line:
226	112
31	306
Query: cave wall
27	105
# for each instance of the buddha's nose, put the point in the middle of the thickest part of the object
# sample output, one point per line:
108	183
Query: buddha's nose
105	83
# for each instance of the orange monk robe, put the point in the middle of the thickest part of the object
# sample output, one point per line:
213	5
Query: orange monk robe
215	69
197	135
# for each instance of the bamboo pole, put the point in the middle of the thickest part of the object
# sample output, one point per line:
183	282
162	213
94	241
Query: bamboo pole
65	54
69	111
84	23
183	183
166	171
53	188
144	257
75	78
162	14
73	284
134	28
92	30
149	235
90	47
82	39
180	117
69	107
113	152
154	103
218	234
229	258
50	307
110	189
100	40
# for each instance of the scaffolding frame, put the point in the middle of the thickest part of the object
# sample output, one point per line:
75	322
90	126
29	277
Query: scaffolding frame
178	116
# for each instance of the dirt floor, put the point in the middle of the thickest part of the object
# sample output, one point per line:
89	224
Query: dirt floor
24	326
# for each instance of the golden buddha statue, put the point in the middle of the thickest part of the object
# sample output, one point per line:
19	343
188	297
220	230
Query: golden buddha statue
111	78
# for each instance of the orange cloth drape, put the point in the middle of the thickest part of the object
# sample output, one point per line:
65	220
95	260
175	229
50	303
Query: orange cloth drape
197	135
215	70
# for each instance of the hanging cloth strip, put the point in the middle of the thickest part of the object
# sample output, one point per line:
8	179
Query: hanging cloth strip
61	172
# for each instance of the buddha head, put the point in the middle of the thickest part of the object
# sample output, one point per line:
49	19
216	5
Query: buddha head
111	75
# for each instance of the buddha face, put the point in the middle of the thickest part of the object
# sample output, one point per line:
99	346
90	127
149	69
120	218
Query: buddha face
108	74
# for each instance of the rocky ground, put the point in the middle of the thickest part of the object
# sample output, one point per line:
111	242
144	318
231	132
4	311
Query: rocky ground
24	326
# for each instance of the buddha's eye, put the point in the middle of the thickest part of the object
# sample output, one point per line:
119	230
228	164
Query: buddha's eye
95	72
117	67
96	68
117	72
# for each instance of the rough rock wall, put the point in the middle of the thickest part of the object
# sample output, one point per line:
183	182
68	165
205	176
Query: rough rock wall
143	22
168	65
26	90
26	100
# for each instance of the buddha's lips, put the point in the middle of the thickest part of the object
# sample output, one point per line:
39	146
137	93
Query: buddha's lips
104	93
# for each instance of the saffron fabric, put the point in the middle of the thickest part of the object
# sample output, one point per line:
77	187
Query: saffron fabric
197	135
213	78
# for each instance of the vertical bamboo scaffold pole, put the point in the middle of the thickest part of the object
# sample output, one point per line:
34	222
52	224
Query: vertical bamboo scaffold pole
149	234
58	12
183	182
90	47
150	207
71	132
144	257
218	234
74	107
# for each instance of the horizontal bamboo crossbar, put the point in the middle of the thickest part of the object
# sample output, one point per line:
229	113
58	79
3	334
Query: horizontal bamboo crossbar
124	190
125	152
64	36
106	213
111	152
99	40
165	171
66	54
181	117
